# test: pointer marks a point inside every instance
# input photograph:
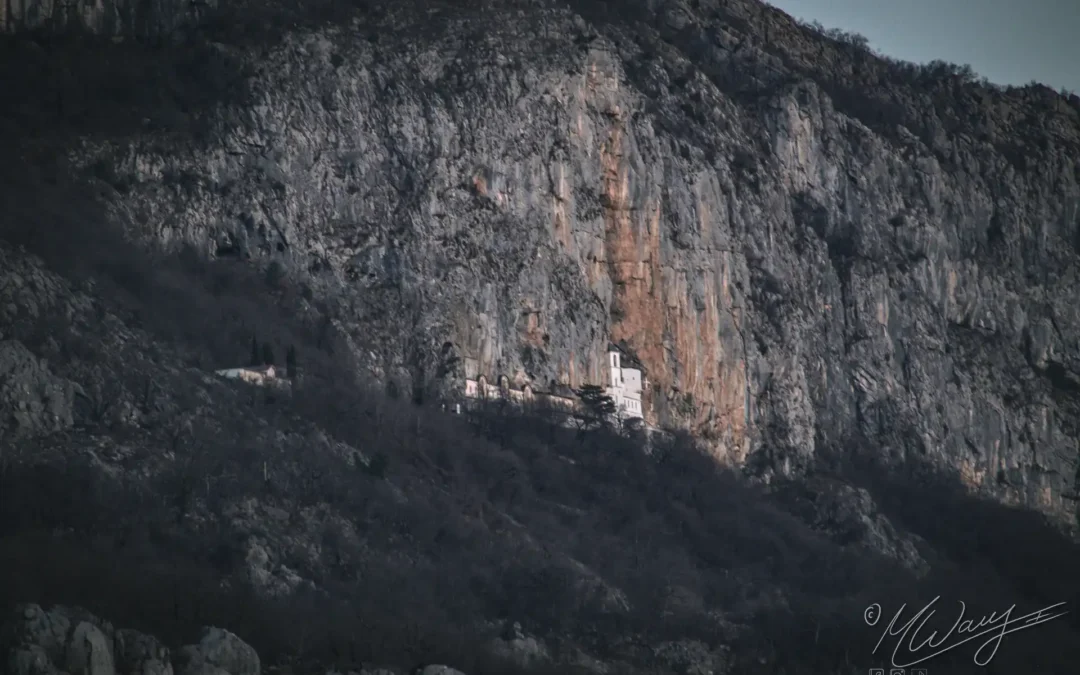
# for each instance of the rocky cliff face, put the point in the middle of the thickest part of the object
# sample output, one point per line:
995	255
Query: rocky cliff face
803	243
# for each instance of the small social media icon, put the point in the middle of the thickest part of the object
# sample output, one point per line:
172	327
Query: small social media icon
877	671
896	671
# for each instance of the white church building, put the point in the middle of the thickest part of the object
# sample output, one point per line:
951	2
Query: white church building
625	387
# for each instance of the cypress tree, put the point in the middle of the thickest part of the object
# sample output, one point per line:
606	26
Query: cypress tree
290	361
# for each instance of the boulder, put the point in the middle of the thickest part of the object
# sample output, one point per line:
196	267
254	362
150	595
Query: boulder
89	651
71	641
61	640
515	647
218	652
139	654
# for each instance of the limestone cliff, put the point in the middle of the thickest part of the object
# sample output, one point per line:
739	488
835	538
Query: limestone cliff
803	243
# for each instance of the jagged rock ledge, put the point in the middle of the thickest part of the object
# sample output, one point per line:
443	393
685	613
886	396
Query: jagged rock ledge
71	641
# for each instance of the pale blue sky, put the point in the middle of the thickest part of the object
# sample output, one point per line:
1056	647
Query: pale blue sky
1008	41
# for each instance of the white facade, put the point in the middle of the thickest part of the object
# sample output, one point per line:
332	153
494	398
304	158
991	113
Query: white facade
624	388
253	375
482	389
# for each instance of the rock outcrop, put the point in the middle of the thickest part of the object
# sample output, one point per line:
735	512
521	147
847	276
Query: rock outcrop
218	652
849	516
524	651
70	641
32	399
803	243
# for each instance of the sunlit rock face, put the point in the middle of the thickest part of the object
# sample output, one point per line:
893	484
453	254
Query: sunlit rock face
801	243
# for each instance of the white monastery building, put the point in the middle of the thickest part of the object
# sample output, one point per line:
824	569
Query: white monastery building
259	375
624	388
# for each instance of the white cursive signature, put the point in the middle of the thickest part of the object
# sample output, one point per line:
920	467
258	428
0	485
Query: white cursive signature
965	630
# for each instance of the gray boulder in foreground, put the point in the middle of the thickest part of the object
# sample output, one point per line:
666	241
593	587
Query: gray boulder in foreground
70	641
217	652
